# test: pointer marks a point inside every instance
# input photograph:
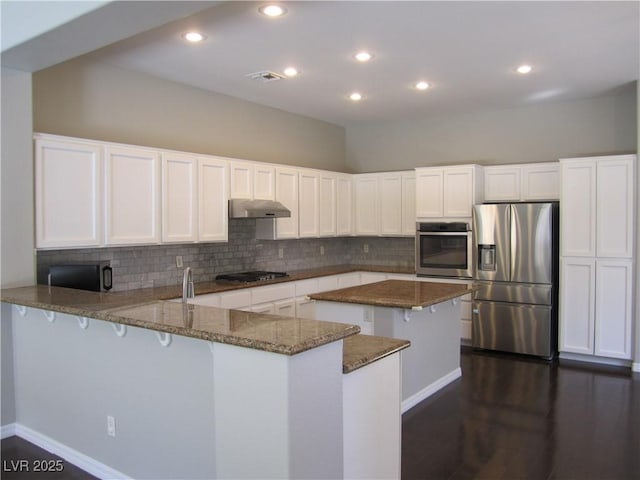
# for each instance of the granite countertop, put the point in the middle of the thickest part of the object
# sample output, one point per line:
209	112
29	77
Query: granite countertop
361	350
271	333
407	294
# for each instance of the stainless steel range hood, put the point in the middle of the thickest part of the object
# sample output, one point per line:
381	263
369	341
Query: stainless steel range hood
242	208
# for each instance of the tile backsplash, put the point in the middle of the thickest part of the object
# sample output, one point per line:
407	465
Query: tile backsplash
155	265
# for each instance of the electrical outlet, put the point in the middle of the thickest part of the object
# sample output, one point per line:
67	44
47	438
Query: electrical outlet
281	252
111	426
321	249
366	248
179	261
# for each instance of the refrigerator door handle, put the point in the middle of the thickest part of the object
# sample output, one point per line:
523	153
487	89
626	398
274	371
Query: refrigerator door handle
514	242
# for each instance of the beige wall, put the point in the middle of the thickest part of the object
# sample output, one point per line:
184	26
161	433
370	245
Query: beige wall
536	133
98	101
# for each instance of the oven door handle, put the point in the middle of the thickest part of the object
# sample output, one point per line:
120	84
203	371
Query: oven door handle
443	234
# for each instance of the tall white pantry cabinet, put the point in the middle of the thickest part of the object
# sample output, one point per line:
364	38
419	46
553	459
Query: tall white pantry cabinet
598	228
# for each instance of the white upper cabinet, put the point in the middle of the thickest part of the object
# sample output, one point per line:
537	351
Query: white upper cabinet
287	194
132	196
390	200
448	192
522	183
409	203
344	205
615	207
366	204
309	203
540	181
213	195
264	182
68	193
327	201
597	206
251	180
429	199
179	198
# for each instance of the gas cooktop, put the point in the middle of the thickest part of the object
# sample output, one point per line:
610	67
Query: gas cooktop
255	276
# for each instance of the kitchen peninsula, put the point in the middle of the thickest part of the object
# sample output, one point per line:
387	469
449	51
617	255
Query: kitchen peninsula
425	313
129	385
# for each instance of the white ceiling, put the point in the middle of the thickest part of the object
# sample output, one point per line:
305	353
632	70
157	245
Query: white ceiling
467	50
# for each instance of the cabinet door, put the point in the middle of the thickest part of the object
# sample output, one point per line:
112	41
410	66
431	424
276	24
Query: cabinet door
179	198
540	182
613	322
305	308
502	183
264	182
344	205
240	180
366	205
309	214
615	206
68	194
578	208
458	192
577	316
409	204
287	194
286	308
429	195
390	198
328	211
132	196
213	196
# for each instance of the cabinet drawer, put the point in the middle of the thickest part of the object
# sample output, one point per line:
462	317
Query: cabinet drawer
237	299
210	300
272	293
306	287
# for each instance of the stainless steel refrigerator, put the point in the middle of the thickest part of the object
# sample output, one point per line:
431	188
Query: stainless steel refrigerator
516	266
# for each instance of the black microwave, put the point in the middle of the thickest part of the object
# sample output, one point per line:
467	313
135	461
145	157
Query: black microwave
96	277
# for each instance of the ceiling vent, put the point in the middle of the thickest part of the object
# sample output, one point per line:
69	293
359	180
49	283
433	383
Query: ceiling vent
265	76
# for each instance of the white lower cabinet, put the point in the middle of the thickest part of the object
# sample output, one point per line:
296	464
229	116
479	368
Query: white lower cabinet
595	307
305	308
286	308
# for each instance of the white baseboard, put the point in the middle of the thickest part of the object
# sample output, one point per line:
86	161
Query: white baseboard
430	389
8	430
593	359
72	456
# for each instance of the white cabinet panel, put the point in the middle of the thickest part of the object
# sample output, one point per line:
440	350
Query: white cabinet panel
366	204
390	200
578	208
541	181
348	280
409	203
615	207
268	308
371	277
209	300
236	299
272	293
328	283
305	308
327	202
306	287
344	205
132	184
577	315
264	182
179	199
429	184
613	326
502	183
286	308
241	180
287	194
68	193
309	204
458	192
213	196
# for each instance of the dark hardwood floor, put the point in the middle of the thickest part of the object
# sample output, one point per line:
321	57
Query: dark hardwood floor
508	417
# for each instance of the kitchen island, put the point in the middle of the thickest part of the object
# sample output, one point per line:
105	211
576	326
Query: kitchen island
132	386
425	313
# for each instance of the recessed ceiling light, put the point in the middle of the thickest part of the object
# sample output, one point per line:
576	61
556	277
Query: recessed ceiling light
422	85
355	96
193	37
272	10
290	71
524	69
363	56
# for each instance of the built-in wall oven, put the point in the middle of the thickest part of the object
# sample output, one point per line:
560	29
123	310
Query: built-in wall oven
444	249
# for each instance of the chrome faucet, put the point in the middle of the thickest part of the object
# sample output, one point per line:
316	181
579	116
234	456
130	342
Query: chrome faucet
187	285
